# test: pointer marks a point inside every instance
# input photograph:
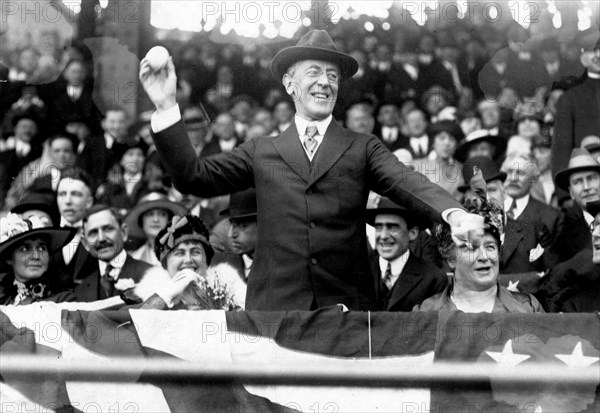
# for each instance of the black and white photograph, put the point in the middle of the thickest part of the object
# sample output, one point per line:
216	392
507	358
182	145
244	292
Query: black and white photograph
300	206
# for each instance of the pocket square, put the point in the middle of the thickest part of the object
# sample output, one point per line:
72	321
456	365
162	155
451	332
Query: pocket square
536	253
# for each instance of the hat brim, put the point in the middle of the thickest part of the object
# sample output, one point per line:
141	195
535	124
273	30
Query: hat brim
59	237
132	220
500	175
237	214
290	55
561	178
463	150
412	219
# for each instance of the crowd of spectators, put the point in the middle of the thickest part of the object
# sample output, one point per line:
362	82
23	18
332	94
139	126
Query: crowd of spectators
442	101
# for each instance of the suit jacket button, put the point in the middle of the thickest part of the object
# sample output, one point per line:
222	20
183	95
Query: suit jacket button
312	225
313	261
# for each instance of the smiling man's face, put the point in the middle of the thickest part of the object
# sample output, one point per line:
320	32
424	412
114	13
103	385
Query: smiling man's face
313	84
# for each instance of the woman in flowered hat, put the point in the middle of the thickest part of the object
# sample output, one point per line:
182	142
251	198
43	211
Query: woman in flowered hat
25	248
474	284
185	280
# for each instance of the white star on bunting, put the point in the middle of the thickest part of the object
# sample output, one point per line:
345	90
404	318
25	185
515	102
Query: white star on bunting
507	358
576	358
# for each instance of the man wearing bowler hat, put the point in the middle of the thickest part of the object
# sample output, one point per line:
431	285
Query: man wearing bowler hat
402	280
242	232
311	182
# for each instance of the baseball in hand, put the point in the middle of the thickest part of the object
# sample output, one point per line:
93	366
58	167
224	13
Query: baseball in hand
157	58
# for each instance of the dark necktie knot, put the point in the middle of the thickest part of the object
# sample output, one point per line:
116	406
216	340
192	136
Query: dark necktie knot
107	282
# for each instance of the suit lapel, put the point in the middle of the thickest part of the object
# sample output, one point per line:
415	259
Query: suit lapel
334	144
407	281
512	237
289	147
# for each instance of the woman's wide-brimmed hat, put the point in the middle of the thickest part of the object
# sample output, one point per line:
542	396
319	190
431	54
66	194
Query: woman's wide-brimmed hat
150	201
581	160
314	45
479	135
14	230
447	126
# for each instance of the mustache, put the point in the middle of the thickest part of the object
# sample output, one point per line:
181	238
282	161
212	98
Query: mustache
103	244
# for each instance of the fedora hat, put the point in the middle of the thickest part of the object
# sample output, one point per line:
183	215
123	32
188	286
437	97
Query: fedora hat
591	143
479	135
16	229
241	205
152	200
488	168
41	201
387	206
581	160
314	45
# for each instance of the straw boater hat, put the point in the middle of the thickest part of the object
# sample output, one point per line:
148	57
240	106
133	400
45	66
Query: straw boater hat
581	160
153	200
14	230
477	136
314	45
387	206
241	205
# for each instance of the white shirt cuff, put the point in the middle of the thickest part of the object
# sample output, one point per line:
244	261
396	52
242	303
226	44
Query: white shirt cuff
165	119
446	213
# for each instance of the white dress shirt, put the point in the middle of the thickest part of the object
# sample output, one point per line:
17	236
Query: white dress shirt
389	133
247	264
521	205
68	251
398	264
117	264
420	145
321	125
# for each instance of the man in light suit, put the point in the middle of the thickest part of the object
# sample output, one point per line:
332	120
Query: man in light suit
402	280
104	236
311	182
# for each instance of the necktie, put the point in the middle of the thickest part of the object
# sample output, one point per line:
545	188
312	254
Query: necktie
387	277
512	210
107	282
310	143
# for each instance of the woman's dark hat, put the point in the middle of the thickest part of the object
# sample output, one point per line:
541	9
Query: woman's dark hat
581	160
488	168
23	229
477	136
152	200
445	126
42	201
314	45
387	206
241	205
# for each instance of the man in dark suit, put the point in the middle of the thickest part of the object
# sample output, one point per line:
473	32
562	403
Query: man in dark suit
242	232
577	112
73	197
388	126
581	179
312	183
104	236
402	280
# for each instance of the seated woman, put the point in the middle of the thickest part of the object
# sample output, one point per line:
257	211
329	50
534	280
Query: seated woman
150	215
474	287
25	248
185	280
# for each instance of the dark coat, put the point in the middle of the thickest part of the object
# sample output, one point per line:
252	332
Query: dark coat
82	264
520	237
418	281
61	109
576	118
568	279
573	232
90	288
311	242
587	301
10	166
54	289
